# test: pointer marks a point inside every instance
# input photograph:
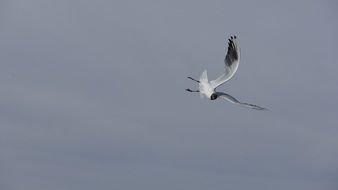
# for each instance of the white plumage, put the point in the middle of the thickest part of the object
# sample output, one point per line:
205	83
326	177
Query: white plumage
231	61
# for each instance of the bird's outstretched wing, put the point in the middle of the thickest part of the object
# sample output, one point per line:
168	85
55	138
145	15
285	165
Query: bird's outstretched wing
235	101
231	62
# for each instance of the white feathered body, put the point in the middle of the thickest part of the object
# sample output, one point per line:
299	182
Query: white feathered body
205	87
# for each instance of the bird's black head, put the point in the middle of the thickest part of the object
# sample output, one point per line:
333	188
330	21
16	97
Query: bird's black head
213	96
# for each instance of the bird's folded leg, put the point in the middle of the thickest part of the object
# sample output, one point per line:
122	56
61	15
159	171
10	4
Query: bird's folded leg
189	90
193	79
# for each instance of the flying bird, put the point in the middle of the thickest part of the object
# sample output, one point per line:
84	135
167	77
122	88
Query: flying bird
208	88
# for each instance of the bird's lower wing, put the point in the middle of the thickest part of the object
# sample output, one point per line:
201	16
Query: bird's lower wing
235	101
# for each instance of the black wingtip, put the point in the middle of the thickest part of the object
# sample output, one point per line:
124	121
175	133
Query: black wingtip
261	109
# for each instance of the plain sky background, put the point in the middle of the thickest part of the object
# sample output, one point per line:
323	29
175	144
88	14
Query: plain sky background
92	95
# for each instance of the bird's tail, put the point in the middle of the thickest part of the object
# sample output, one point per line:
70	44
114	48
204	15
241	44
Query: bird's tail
204	76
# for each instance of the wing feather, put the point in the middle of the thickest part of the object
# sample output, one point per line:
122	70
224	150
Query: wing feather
235	101
231	62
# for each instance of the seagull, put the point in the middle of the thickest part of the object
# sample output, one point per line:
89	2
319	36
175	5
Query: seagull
208	88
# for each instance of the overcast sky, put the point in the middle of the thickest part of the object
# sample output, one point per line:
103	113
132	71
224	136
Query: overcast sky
92	95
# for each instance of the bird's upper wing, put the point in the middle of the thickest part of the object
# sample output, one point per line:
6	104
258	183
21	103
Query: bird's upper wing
231	62
235	101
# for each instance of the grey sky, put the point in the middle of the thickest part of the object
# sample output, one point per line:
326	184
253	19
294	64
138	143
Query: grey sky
92	95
